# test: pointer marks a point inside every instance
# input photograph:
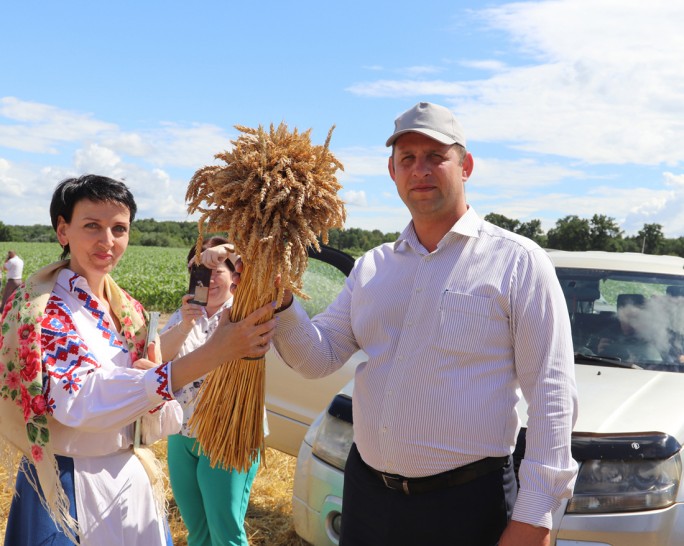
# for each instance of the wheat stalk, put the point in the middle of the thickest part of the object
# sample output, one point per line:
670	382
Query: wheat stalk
274	197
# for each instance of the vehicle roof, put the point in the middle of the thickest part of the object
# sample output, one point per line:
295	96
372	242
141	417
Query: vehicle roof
618	261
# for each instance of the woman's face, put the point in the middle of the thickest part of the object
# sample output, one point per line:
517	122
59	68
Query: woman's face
219	287
97	237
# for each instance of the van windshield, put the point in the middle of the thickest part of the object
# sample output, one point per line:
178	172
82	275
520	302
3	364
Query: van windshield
630	318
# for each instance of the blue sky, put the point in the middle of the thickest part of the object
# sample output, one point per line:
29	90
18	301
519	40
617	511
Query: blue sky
569	106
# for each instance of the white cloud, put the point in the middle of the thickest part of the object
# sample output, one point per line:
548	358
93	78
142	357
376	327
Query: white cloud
385	218
9	179
355	198
674	180
603	83
489	64
407	88
362	162
95	159
519	175
40	128
421	70
188	146
141	158
133	144
630	207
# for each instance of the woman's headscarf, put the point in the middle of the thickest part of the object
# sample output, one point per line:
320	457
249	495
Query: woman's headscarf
24	422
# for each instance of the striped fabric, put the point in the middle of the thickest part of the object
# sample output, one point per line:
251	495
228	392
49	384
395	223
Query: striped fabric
452	339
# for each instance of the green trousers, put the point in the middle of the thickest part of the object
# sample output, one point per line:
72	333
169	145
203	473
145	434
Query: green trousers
212	501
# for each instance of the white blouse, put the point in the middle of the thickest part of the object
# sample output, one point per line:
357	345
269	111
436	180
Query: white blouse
95	397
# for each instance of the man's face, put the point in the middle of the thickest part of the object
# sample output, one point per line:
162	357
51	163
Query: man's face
429	177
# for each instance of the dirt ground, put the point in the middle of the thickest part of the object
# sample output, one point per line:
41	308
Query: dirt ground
269	515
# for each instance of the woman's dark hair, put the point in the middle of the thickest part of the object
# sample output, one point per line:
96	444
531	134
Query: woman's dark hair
210	243
95	188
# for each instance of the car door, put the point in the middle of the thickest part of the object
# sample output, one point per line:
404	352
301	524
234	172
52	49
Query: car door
293	402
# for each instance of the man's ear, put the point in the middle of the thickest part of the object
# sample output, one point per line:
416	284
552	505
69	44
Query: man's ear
468	164
390	167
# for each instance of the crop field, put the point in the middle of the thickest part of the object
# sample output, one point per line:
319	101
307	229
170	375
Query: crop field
157	276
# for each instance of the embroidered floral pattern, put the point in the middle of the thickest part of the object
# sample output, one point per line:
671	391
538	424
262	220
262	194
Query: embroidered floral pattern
37	339
21	374
102	323
65	355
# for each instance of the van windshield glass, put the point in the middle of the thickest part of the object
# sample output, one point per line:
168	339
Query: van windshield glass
632	318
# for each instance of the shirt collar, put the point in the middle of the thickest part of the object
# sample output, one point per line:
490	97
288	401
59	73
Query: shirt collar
70	281
226	304
467	225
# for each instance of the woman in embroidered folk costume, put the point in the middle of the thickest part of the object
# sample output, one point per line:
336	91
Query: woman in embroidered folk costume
73	382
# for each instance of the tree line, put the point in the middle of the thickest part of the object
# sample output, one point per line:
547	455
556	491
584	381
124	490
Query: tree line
600	232
150	232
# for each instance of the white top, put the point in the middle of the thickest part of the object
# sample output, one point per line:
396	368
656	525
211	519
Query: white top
451	337
14	267
204	327
95	396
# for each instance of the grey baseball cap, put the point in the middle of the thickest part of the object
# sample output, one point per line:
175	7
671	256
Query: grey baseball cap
432	120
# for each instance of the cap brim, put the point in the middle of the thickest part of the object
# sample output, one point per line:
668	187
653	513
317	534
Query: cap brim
434	135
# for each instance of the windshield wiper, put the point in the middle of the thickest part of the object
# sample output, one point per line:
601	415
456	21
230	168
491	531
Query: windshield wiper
612	361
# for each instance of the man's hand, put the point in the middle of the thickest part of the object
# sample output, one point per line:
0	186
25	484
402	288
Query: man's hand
518	533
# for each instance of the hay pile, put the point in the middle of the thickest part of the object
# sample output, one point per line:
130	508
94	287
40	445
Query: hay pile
275	195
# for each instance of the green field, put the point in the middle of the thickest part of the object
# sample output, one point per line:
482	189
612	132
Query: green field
157	276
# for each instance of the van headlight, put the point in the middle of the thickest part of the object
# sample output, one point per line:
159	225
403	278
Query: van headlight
335	433
605	486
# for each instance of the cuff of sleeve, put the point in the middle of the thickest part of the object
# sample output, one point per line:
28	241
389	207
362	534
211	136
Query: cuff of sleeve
535	508
158	383
289	319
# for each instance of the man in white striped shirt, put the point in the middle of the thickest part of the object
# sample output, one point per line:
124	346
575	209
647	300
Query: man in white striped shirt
457	317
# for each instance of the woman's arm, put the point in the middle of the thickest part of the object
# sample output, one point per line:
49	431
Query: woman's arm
231	341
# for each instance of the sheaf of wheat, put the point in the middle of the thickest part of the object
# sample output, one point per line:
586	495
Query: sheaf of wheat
274	195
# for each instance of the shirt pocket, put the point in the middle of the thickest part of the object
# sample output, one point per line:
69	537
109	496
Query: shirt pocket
465	322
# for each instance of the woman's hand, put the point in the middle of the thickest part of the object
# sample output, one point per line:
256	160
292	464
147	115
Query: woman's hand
190	312
248	338
214	256
172	339
153	358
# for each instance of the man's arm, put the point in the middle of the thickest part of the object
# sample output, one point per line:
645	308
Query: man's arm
544	365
